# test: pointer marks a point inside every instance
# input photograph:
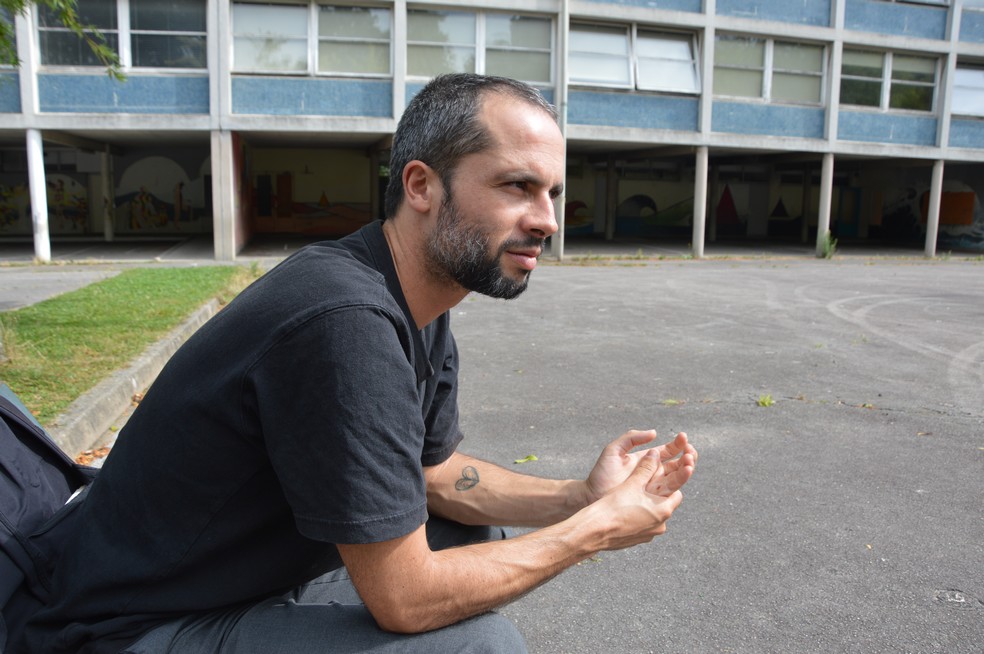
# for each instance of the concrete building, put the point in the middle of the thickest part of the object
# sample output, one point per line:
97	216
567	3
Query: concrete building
693	120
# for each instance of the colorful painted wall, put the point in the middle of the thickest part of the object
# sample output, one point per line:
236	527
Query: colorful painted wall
156	193
324	192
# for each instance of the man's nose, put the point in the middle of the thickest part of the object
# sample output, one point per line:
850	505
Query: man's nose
543	222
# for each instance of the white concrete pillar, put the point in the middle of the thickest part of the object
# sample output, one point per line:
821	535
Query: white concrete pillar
826	193
223	196
39	196
700	202
933	214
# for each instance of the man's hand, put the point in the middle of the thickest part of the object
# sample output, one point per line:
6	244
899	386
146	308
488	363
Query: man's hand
617	461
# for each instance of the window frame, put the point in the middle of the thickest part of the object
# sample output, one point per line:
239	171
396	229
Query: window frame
887	81
318	39
769	70
480	43
633	57
313	39
124	42
977	67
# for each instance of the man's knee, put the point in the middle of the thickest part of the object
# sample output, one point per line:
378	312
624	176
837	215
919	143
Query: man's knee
491	634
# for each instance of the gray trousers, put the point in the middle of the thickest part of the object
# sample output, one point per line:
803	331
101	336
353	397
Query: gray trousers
326	615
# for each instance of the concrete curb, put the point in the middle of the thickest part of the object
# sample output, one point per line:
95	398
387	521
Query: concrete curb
91	415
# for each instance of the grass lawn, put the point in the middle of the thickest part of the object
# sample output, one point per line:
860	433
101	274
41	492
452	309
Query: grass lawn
62	347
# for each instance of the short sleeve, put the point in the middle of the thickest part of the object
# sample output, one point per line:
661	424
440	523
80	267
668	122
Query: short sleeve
440	396
340	412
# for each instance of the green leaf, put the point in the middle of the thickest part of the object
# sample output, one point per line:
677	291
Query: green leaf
526	459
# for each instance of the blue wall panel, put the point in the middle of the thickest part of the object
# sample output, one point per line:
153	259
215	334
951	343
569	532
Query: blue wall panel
10	93
137	95
632	110
769	119
972	26
678	5
966	133
807	12
896	18
886	128
413	88
309	96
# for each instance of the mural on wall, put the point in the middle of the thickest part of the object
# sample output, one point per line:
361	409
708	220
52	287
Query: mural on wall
639	215
15	209
155	195
577	220
278	211
68	205
961	217
961	223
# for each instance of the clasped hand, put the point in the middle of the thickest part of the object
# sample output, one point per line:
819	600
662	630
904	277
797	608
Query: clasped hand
630	494
617	462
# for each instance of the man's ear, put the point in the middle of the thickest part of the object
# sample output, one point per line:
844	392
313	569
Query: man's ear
421	186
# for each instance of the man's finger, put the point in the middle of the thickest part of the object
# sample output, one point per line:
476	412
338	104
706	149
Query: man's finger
633	439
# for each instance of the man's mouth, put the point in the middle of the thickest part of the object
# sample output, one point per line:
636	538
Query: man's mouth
525	257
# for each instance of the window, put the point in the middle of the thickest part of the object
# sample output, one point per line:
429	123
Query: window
600	55
440	42
666	62
167	35
269	38
776	71
888	80
354	40
512	45
968	90
60	47
518	46
633	57
8	44
276	39
152	35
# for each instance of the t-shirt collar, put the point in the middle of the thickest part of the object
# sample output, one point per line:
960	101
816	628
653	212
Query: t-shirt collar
383	258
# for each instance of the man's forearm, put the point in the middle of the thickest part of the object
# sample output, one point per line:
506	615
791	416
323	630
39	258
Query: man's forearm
428	590
471	491
408	588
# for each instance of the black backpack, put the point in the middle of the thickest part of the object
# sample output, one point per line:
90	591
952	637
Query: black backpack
37	479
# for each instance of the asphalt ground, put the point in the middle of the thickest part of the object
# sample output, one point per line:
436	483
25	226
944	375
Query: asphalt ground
847	516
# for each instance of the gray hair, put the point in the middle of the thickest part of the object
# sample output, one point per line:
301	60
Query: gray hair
441	125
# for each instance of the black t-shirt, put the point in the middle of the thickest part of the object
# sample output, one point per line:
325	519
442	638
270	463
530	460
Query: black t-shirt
298	417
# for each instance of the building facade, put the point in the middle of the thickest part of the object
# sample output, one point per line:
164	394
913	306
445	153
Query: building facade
694	120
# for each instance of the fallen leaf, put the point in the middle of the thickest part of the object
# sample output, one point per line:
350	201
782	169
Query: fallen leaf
526	459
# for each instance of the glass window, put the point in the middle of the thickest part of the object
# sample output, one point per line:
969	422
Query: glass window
968	91
797	73
168	34
599	55
913	83
60	47
8	45
911	80
518	46
354	40
739	66
269	38
861	78
666	62
440	42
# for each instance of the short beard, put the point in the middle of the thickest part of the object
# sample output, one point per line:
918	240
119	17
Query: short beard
460	253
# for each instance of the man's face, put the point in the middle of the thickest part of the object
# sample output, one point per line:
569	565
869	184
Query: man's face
459	250
491	226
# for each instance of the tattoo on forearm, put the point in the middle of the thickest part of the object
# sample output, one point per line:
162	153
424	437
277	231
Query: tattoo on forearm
469	479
